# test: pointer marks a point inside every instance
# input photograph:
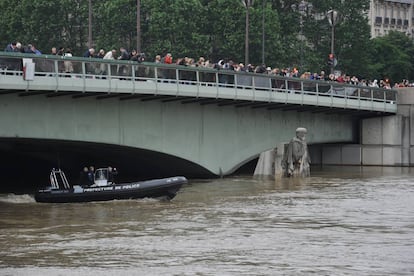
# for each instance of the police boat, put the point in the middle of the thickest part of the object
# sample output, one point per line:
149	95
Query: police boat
60	191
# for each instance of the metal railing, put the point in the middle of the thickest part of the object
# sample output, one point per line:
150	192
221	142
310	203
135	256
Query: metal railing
85	68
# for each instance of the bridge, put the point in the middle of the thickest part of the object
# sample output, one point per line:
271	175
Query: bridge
212	121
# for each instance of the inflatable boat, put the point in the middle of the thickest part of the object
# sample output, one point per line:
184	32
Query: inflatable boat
60	191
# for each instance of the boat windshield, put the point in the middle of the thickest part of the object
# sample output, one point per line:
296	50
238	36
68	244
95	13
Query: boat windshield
101	174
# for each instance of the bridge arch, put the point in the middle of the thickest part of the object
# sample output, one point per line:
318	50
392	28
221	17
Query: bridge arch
217	138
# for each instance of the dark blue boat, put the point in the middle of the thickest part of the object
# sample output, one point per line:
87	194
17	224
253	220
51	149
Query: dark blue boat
60	191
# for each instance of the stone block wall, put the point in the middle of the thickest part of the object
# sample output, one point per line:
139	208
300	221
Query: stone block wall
385	141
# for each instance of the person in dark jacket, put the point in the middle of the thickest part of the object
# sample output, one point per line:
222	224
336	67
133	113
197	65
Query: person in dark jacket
123	69
84	179
112	172
90	53
91	175
11	47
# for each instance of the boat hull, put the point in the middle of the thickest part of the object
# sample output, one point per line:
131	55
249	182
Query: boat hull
166	187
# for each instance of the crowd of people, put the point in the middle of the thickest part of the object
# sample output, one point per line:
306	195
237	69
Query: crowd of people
222	64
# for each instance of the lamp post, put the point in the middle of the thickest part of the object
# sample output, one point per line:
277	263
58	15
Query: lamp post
247	4
90	24
303	8
139	26
263	32
332	16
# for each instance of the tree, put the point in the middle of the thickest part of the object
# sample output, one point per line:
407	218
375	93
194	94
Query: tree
352	35
44	23
175	26
114	24
274	51
215	29
390	57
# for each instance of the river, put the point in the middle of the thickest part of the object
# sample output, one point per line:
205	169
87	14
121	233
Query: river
339	221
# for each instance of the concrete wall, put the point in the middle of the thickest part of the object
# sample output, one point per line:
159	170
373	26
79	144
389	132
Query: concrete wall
336	154
385	141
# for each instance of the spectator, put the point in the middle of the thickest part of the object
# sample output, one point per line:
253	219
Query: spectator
67	63
201	62
168	59
123	69
34	50
90	53
136	56
110	55
11	47
157	59
101	53
124	55
354	80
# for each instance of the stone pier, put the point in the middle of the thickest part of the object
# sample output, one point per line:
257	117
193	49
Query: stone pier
384	141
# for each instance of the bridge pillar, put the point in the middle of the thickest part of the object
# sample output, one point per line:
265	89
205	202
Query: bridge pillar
270	162
266	163
384	141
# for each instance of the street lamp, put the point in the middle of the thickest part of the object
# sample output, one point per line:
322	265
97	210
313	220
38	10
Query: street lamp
304	8
90	24
247	4
332	16
139	26
263	32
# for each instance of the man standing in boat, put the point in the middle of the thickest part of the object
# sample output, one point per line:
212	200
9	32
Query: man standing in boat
91	175
84	177
112	172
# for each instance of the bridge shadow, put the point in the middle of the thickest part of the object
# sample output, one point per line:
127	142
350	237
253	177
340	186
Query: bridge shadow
26	163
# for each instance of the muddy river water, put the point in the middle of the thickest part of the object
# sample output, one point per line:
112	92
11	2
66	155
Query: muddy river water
340	221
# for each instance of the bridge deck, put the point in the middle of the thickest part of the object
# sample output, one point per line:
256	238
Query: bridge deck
149	81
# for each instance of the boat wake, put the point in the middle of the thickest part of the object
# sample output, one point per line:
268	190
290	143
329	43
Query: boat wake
17	199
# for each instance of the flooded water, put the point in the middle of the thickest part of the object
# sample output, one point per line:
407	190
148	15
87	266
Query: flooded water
340	221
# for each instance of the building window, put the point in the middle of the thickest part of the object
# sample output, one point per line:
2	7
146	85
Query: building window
378	20
387	21
405	23
393	21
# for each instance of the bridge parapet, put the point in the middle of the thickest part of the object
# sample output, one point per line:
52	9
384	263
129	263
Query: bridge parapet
84	75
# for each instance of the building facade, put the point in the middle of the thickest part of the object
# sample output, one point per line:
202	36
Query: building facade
387	15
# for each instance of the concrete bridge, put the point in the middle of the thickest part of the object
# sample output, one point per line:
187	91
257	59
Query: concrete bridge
202	121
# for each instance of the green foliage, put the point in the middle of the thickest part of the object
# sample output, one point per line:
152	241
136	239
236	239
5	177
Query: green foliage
274	52
114	24
215	29
391	57
174	26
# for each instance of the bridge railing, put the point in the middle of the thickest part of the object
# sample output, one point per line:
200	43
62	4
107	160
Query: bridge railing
85	68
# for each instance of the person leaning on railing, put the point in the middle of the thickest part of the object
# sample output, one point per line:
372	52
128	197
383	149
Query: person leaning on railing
67	63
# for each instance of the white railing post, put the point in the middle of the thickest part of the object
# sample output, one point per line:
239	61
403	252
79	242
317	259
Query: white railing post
198	82
83	66
217	84
133	79
177	80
